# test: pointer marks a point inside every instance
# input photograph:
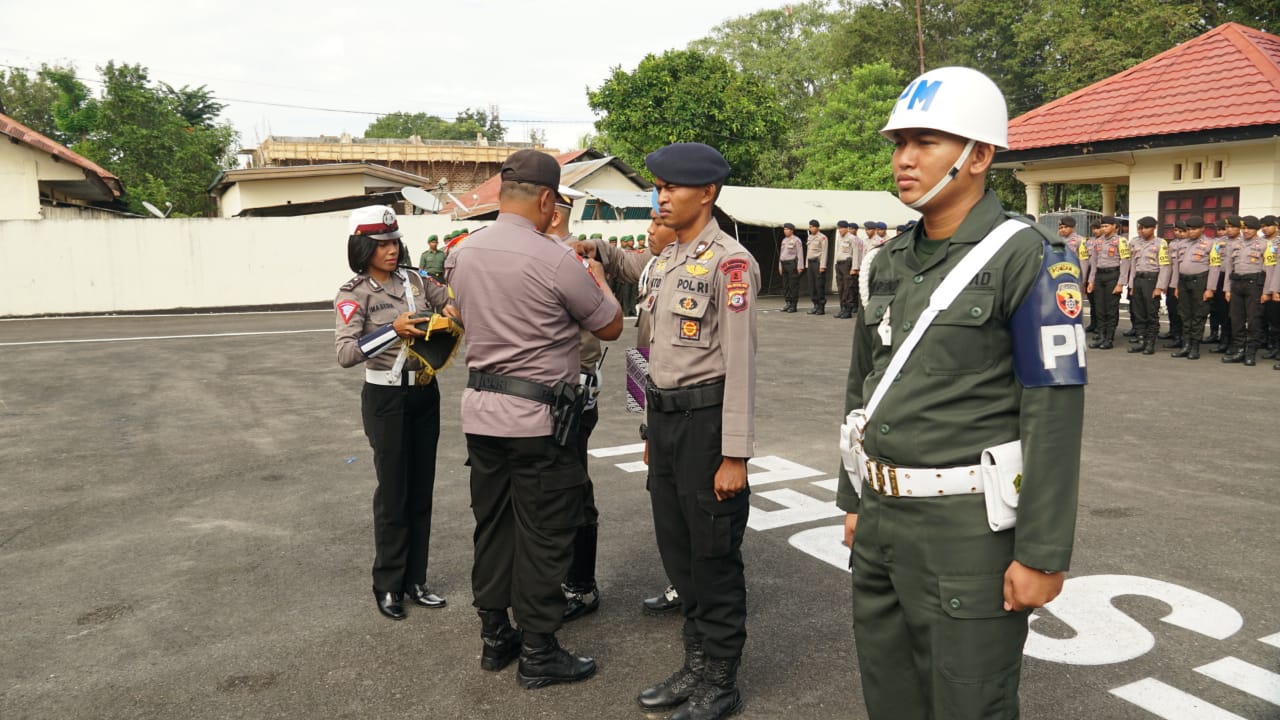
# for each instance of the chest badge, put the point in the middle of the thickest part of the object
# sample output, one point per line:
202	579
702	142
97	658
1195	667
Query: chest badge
696	270
688	303
690	329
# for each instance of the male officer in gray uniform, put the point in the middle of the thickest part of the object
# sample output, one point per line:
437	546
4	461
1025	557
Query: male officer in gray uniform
700	402
1108	272
1188	277
940	601
848	257
815	253
790	266
1244	265
1148	277
524	298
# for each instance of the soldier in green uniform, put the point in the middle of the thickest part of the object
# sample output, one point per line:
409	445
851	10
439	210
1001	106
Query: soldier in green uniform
432	260
940	599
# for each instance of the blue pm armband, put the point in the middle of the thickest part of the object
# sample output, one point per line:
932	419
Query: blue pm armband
1048	338
377	342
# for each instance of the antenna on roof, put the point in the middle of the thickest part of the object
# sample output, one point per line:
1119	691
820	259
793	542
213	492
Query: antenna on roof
168	208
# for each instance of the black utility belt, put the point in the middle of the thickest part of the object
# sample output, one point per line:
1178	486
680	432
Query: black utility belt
567	399
1115	269
1248	277
1147	275
1200	274
684	399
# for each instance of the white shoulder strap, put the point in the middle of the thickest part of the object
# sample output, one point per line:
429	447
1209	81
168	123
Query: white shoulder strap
942	298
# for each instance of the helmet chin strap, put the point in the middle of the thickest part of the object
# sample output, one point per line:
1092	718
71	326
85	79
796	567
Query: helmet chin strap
951	174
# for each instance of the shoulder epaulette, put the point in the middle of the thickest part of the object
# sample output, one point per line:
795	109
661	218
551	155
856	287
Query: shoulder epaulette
353	283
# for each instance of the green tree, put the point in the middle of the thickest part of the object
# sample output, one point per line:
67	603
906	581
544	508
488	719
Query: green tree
843	148
686	96
466	126
162	143
29	99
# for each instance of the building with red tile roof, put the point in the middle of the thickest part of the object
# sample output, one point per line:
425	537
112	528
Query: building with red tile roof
1193	130
38	176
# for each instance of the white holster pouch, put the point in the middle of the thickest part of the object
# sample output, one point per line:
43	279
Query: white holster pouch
852	455
1001	484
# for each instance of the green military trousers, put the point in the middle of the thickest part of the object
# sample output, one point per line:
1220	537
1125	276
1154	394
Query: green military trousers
933	639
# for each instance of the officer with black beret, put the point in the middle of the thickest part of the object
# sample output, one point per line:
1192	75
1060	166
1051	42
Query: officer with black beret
700	403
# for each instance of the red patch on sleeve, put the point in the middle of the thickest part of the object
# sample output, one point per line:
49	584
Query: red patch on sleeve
346	309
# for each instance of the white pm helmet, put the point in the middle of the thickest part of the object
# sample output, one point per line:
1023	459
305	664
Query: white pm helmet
376	221
956	100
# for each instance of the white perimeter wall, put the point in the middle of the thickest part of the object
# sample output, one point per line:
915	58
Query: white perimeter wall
113	265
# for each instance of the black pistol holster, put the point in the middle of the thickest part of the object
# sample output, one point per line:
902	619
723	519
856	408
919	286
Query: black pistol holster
566	399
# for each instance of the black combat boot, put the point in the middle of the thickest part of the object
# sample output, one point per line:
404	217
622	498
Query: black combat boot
1137	344
1194	353
1185	351
1175	341
1108	341
1234	357
717	696
677	688
543	662
1250	356
1131	332
821	309
501	641
1149	347
580	592
1221	347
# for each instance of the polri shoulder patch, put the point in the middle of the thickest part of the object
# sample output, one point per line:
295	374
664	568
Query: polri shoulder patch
1048	337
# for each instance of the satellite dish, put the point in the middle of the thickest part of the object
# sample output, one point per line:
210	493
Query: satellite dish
156	211
420	198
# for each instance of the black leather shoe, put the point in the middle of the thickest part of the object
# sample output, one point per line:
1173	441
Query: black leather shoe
1271	354
813	310
1149	347
1276	366
1249	359
1106	344
580	602
667	601
501	641
1164	335
390	604
1194	354
1235	357
1175	342
543	662
420	595
1136	345
1213	338
1130	332
1219	348
1184	352
820	311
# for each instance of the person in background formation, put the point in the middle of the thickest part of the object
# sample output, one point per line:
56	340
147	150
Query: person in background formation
581	594
1108	271
875	240
1173	335
940	600
815	247
790	266
1089	249
1244	265
1219	311
700	399
1122	230
848	258
525	299
1271	308
432	260
1148	279
1188	278
626	291
399	403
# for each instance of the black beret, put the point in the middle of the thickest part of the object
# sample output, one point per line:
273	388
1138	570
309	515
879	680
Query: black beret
1222	225
688	164
881	225
842	224
1107	219
1147	221
531	166
814	223
870	224
1233	220
1268	220
1251	222
789	226
1195	221
1068	221
1181	225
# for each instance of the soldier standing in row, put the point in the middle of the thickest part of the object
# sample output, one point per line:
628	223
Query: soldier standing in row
790	266
1108	272
1188	277
1271	310
848	258
1148	278
815	247
1244	265
1174	333
432	260
1219	310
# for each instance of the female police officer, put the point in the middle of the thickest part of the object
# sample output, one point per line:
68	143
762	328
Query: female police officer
400	405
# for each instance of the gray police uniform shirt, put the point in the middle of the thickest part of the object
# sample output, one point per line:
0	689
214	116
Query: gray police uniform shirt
847	248
816	249
1149	256
1112	252
1241	257
790	249
701	299
1188	257
590	349
364	305
524	299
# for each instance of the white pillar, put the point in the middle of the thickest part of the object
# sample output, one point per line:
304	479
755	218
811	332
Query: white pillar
1108	199
1033	199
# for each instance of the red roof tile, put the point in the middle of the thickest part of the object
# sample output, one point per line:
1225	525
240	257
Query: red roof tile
1232	72
484	197
24	134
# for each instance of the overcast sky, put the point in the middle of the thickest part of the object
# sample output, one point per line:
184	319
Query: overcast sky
533	60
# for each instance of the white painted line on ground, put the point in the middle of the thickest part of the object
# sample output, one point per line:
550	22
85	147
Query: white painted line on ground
633	467
1245	677
1272	640
135	316
617	450
1169	702
797	508
833	484
777	470
162	337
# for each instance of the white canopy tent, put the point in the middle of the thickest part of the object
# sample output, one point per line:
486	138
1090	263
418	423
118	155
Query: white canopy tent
771	207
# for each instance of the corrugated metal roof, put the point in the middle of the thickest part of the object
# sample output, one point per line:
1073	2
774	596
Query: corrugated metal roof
1226	78
771	207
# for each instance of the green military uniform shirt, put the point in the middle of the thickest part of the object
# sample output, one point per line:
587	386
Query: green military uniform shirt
958	393
432	262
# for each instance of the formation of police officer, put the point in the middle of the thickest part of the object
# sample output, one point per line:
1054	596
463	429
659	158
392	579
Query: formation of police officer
816	262
940	600
1190	257
1246	265
848	259
1108	273
1148	280
791	264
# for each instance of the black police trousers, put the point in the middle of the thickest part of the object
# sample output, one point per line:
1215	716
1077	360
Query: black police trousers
403	427
699	537
1144	308
1107	306
527	497
847	285
1192	305
582	571
817	283
1246	311
790	281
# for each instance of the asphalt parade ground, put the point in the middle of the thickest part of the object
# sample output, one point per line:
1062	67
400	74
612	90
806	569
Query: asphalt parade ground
185	532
